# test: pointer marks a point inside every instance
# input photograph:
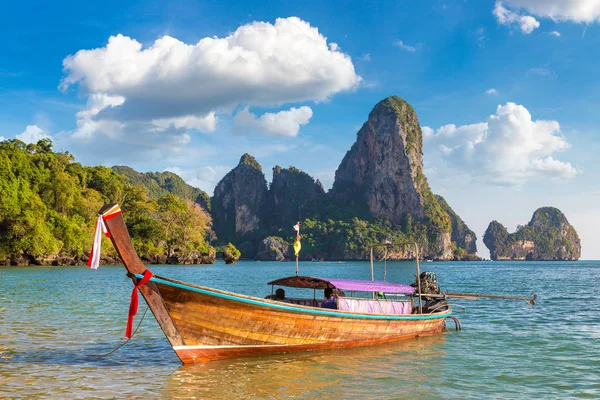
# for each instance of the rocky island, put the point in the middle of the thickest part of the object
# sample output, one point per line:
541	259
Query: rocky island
380	193
547	237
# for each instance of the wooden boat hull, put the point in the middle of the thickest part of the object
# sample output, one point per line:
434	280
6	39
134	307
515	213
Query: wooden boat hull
203	324
217	324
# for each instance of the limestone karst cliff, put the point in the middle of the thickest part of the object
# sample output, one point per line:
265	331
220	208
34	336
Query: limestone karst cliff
382	174
380	193
293	195
379	173
548	236
462	236
238	200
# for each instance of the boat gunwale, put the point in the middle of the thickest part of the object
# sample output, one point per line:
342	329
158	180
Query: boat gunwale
294	308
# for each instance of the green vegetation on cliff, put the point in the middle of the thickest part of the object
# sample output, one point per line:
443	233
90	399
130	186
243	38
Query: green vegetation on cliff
247	159
293	195
463	238
230	254
49	204
403	111
159	184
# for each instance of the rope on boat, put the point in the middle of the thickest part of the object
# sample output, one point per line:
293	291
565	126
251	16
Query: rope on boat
128	339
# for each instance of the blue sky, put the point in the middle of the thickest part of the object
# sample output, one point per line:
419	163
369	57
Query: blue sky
506	92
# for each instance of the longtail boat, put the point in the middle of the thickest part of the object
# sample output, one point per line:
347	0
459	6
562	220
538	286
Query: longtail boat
203	323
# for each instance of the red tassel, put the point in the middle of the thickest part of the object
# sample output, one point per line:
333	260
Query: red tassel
133	305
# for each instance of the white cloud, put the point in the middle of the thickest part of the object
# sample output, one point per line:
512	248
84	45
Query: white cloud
526	23
406	47
427	132
365	57
258	64
205	124
554	33
579	11
509	149
491	92
32	134
542	72
154	96
2	138
480	33
284	123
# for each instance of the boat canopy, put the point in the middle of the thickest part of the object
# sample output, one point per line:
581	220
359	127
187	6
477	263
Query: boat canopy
358	285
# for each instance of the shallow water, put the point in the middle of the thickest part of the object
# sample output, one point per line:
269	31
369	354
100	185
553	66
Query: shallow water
56	322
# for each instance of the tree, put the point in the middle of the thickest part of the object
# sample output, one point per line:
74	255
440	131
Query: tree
184	224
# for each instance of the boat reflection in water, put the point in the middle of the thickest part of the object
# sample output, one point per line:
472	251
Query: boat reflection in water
409	367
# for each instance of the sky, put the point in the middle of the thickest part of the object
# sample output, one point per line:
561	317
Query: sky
506	92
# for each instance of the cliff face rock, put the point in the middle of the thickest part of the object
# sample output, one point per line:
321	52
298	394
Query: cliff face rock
461	234
496	238
383	163
293	195
382	175
238	201
273	248
193	257
442	249
548	236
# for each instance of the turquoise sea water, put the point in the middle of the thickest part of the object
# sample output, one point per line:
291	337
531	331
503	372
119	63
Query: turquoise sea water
55	322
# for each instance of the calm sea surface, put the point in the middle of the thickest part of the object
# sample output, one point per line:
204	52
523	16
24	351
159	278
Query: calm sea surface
56	322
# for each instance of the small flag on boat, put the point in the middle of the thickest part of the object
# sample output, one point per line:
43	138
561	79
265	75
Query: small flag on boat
94	259
297	245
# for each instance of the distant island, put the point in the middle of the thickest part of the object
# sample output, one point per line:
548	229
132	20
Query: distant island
380	193
548	237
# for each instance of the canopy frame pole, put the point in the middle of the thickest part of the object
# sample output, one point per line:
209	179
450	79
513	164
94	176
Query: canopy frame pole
385	265
418	278
372	274
419	294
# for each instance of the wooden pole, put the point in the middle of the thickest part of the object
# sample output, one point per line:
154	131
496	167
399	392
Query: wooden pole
372	273
385	264
418	277
475	296
297	240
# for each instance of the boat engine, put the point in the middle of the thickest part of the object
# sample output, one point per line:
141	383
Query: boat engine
429	283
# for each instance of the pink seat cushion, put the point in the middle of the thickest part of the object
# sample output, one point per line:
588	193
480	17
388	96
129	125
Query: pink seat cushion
375	306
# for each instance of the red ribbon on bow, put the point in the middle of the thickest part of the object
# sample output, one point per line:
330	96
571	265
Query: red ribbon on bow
133	305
